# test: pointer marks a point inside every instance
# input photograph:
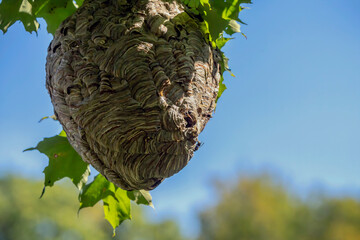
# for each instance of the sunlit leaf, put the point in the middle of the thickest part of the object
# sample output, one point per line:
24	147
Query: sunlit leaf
215	22
28	11
55	12
219	17
222	88
98	189
221	41
17	10
64	161
117	208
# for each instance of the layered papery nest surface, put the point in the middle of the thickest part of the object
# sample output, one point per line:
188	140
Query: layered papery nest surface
133	84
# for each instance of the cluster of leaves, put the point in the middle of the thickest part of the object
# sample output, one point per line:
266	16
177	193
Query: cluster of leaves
28	11
64	162
219	17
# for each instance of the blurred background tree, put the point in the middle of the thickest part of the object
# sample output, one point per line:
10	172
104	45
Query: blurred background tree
251	208
260	208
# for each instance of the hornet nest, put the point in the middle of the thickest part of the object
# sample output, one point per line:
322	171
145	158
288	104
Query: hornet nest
133	84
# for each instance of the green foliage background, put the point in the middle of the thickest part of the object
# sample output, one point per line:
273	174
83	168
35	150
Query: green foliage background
262	208
254	207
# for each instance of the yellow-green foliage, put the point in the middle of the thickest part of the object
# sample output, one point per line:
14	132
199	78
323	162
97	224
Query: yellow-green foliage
260	209
23	216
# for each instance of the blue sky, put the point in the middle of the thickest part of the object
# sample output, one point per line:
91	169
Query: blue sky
293	108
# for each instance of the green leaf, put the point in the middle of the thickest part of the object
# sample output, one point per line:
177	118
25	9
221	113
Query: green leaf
214	21
224	67
27	12
222	88
64	161
55	12
229	9
221	15
141	197
221	41
117	209
116	202
97	190
17	10
203	2
192	3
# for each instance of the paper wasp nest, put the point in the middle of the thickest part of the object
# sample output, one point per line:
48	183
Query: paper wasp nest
133	84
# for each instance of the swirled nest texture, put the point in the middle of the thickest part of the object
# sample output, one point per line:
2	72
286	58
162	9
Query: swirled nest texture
133	84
